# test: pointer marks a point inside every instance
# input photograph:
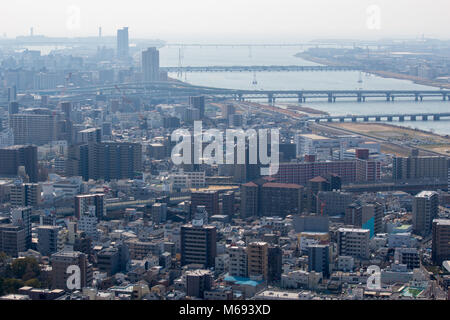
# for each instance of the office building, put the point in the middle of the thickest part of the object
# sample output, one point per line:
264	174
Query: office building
258	260
12	240
21	217
281	199
319	259
415	167
425	210
441	241
207	198
61	261
198	245
249	200
25	194
37	127
150	64
84	201
238	261
123	46
159	213
106	160
353	242
199	104
51	239
349	171
275	263
197	282
14	157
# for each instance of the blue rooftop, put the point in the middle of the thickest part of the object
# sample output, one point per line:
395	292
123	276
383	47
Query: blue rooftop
242	281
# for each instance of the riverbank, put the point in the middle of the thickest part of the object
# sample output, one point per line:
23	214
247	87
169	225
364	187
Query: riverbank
396	136
383	74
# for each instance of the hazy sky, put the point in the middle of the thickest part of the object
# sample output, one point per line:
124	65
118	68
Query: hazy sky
223	20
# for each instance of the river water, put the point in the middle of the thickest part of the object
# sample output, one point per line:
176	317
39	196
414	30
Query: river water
209	56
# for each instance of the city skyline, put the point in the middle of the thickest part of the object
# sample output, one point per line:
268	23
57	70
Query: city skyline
286	21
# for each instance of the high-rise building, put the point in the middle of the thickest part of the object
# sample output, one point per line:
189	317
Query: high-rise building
106	160
159	213
319	259
228	204
12	240
349	170
197	282
199	104
415	167
332	202
258	260
238	261
281	199
38	127
84	201
60	263
51	239
21	217
11	158
249	200
198	245
353	242
366	216
123	46
25	194
425	210
150	64
13	108
208	198
441	241
275	266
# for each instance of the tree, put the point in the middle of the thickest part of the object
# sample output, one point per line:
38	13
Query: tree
25	269
34	283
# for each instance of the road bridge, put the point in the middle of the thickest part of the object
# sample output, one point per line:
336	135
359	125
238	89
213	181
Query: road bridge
382	117
290	68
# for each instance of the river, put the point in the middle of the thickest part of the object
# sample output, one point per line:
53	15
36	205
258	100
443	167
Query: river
209	56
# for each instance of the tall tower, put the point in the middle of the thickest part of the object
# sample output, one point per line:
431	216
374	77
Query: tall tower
123	45
150	64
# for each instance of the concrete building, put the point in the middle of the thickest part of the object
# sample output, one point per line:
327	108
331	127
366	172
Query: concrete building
12	239
319	259
150	64
207	198
198	245
21	217
238	261
84	201
14	157
425	209
25	194
415	167
441	241
51	239
197	282
60	263
123	46
280	199
353	242
258	260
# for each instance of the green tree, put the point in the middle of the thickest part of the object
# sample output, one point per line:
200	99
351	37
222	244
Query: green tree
33	283
25	269
11	285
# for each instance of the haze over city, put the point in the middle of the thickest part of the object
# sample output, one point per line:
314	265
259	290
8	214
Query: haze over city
283	20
